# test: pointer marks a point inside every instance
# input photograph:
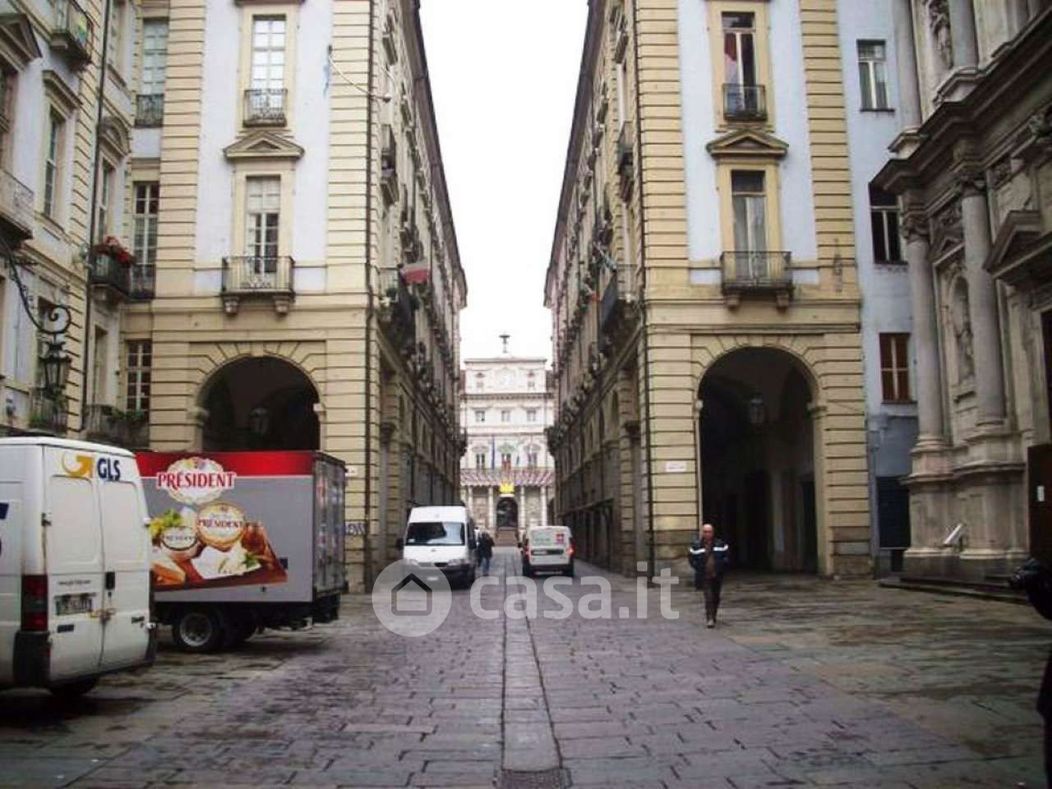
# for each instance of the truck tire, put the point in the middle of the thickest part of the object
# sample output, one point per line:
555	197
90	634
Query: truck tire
197	630
73	690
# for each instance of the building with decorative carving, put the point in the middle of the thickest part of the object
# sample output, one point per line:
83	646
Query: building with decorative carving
705	294
507	474
972	170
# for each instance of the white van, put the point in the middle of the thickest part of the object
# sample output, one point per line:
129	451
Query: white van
74	565
547	549
442	538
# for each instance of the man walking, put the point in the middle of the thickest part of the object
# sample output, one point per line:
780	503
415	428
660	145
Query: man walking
485	551
709	558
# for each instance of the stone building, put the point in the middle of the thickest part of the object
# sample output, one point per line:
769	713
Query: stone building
704	291
288	195
972	168
57	150
507	474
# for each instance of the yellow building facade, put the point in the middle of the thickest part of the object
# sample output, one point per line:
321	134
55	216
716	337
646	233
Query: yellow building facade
704	293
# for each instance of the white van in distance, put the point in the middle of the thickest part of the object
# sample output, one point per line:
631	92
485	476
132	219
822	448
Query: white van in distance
442	538
74	565
547	549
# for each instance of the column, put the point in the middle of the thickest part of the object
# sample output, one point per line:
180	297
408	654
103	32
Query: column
522	508
925	331
962	34
491	512
982	301
906	57
544	505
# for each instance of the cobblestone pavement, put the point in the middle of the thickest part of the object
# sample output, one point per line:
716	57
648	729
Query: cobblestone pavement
805	683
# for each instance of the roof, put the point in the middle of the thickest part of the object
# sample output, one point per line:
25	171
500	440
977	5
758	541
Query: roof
64	443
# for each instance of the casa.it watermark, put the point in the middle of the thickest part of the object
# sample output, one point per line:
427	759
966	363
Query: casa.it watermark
414	599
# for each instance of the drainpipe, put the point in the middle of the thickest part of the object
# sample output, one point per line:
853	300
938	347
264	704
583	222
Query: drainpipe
93	211
652	549
369	295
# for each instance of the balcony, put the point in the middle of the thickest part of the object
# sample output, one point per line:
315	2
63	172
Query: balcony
111	426
109	277
142	281
265	106
248	276
16	209
48	413
626	161
744	102
760	273
617	307
149	110
73	33
397	308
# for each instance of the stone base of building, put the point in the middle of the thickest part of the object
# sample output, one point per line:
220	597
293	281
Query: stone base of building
967	565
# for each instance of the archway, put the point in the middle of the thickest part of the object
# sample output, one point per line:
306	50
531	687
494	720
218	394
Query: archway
507	513
260	403
757	459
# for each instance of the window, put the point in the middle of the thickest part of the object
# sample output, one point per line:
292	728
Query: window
106	193
480	461
531	382
531	459
739	55
137	392
115	54
531	414
480	382
749	203
99	357
154	56
505	460
52	164
895	367
884	218
268	53
263	206
480	416
872	75
505	416
144	246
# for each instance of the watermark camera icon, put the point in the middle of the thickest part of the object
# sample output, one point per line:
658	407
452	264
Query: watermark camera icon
411	599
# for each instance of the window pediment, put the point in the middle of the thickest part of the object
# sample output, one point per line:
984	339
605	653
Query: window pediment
263	145
60	94
1018	255
749	143
116	136
17	41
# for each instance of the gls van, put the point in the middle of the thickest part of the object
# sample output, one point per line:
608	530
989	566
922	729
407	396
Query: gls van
74	565
441	538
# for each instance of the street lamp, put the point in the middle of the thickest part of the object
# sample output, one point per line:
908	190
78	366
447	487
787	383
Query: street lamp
55	366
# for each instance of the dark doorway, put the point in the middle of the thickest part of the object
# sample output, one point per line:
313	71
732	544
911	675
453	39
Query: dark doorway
260	403
507	513
1039	479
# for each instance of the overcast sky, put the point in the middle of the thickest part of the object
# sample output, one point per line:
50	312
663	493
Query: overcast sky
503	75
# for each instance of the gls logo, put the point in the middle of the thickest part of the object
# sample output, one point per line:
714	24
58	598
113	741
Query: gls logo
83	466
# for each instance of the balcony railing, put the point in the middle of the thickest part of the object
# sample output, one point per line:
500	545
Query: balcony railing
73	34
618	295
110	425
149	109
757	272
744	102
142	281
108	273
265	107
16	208
48	412
397	306
257	274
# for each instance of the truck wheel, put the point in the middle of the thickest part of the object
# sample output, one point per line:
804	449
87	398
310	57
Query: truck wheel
198	631
73	690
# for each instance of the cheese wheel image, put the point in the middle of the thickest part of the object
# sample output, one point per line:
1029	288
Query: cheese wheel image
220	525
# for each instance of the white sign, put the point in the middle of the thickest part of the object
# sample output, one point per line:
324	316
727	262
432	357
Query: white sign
675	466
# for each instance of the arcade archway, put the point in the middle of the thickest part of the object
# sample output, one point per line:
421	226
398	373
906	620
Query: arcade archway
260	403
757	459
507	513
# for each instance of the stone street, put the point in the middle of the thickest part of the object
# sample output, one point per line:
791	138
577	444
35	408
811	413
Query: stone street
805	683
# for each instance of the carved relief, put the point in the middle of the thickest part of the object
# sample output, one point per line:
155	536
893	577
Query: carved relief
961	321
946	228
939	23
914	226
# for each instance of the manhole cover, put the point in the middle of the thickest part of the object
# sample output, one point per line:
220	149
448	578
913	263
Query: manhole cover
542	779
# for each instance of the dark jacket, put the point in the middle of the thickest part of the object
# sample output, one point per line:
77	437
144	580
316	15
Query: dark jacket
698	556
485	548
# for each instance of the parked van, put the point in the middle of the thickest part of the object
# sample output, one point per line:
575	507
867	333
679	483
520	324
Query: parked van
547	549
442	538
74	565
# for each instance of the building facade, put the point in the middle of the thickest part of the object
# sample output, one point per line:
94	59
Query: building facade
704	291
972	169
507	474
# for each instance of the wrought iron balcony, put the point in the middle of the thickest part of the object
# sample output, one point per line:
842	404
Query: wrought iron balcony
265	106
744	102
48	412
762	272
149	109
16	209
397	307
109	275
110	425
626	161
142	282
255	275
618	299
73	34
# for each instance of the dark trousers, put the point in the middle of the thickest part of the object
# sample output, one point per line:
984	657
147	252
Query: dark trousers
711	587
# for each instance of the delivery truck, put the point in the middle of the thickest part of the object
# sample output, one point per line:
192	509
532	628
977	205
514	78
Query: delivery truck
74	565
243	541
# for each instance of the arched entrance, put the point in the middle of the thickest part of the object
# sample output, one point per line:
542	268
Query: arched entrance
757	459
260	403
507	513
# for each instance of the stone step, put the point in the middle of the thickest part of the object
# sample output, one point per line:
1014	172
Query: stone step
986	589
